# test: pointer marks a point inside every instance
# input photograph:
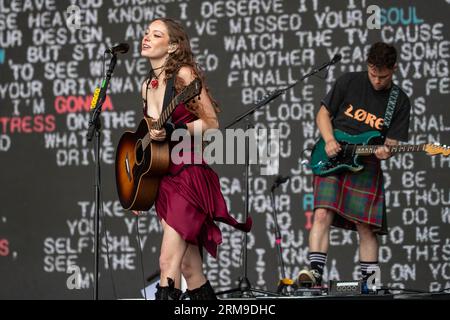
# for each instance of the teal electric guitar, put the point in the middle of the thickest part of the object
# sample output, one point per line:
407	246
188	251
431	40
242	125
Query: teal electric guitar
355	146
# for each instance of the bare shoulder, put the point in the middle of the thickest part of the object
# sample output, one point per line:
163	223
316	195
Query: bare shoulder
186	73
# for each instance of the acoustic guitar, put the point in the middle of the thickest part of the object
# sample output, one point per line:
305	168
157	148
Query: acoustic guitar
141	162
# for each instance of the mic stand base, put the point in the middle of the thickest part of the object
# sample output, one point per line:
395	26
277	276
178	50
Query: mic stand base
245	290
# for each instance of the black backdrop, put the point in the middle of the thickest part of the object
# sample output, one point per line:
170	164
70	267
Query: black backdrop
49	72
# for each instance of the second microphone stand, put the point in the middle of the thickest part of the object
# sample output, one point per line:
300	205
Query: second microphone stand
245	287
284	282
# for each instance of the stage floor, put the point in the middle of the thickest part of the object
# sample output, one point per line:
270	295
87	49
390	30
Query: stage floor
401	296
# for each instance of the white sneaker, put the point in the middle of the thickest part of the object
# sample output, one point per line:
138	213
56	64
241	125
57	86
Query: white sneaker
309	278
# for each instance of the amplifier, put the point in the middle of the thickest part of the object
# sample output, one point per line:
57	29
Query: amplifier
345	288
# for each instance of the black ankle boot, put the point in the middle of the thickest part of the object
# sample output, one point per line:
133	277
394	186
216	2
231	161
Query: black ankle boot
167	293
205	292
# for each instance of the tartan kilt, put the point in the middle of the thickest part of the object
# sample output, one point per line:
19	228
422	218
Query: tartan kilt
354	196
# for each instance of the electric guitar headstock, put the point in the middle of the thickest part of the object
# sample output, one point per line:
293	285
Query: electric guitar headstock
434	149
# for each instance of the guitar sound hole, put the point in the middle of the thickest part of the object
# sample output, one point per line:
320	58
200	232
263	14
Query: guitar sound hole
139	152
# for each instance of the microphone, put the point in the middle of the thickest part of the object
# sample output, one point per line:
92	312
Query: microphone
120	48
280	180
336	59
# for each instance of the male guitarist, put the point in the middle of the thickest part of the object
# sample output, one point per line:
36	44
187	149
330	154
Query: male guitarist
357	103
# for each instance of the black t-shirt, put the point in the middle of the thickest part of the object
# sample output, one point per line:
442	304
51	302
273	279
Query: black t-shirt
356	107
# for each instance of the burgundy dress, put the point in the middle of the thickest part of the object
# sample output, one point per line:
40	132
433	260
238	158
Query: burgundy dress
190	200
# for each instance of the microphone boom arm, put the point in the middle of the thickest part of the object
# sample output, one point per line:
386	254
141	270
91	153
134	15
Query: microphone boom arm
272	95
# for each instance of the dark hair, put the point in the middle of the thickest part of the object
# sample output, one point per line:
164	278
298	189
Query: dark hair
382	55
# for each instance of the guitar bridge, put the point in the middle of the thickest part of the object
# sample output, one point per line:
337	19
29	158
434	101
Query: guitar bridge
127	167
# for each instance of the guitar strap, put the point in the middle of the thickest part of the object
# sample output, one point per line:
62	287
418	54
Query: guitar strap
169	94
392	101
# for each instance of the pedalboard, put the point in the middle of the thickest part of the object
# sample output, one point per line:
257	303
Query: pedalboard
345	288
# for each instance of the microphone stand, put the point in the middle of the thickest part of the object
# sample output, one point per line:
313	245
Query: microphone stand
95	126
245	287
284	282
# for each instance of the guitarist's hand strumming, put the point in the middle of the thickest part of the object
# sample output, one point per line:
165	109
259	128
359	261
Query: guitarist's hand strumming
332	148
158	135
